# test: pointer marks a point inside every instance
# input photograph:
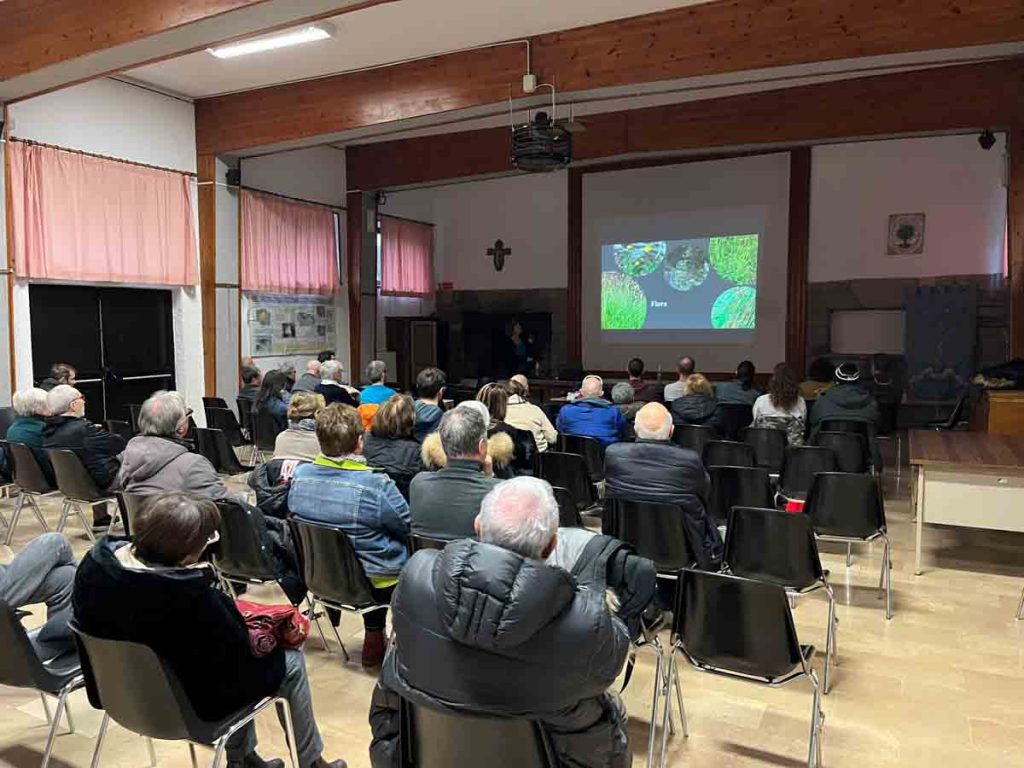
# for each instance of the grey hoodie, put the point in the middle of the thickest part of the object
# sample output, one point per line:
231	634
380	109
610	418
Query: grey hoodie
153	464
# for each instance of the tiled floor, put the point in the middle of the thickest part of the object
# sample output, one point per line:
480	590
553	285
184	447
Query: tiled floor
942	684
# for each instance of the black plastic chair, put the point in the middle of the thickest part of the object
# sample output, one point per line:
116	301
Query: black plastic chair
206	446
569	471
224	420
801	465
129	504
78	489
32	483
214	447
151	701
120	428
7	484
587	447
416	542
733	418
769	447
21	667
214	402
432	739
568	515
851	450
956	416
7	417
242	555
727	453
848	508
692	436
133	412
244	405
737	487
332	572
853	426
779	547
743	629
265	431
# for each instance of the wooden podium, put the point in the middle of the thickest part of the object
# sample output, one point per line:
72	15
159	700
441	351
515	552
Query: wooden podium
999	412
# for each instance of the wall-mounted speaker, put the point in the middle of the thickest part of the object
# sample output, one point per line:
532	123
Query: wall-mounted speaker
233	177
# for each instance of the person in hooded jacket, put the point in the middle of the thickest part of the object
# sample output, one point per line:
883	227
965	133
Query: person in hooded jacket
697	405
489	627
848	399
592	415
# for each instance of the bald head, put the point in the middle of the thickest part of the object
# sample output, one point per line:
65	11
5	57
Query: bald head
592	387
313	367
520	379
653	422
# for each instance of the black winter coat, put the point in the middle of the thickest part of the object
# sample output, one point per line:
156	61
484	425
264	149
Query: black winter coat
399	457
183	617
97	448
695	409
481	629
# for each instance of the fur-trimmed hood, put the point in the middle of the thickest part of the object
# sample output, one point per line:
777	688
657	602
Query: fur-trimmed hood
499	447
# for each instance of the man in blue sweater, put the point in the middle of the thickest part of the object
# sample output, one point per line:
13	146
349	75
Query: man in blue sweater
592	415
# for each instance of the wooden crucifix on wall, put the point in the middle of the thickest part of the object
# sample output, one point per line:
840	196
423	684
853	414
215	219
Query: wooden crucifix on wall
499	252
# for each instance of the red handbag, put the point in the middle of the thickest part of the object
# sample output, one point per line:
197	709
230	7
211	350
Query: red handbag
271	626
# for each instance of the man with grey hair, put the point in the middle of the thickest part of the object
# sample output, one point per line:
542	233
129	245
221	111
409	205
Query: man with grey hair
378	391
27	428
288	369
623	397
655	469
488	627
444	504
67	428
308	381
591	415
158	459
331	386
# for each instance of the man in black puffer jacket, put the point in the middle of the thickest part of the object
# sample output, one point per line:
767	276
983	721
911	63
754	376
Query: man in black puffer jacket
488	627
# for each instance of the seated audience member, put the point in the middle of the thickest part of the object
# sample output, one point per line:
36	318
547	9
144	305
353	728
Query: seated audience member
685	368
819	378
248	362
43	572
782	407
697	405
299	440
339	489
251	381
443	504
657	470
331	386
622	396
430	383
27	427
158	459
522	414
273	398
741	391
60	373
377	392
288	369
489	627
156	592
592	415
848	399
391	444
324	355
98	449
643	391
308	381
524	448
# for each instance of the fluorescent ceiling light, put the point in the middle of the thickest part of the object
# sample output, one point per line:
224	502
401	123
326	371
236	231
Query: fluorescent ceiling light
272	42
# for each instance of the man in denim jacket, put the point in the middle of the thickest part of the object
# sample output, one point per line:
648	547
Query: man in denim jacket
340	490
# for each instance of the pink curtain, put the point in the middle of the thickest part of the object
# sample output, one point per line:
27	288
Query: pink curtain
406	257
90	219
287	246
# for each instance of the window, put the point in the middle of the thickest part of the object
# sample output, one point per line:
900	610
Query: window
406	257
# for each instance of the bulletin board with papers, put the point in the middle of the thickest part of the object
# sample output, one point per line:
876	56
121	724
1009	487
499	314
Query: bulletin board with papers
290	325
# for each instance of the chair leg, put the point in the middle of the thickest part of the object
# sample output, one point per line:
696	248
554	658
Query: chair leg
67	714
668	706
1020	606
679	700
192	754
46	708
888	579
86	524
830	639
99	741
654	703
38	513
218	750
337	637
53	728
14	518
849	555
814	746
65	511
286	713
152	752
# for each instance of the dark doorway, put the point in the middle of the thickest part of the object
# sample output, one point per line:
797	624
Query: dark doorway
120	341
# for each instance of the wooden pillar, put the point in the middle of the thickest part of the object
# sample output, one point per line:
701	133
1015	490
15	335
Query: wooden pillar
799	250
1015	231
9	257
207	196
574	304
354	231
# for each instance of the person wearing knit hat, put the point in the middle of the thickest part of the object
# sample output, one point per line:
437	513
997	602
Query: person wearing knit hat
848	399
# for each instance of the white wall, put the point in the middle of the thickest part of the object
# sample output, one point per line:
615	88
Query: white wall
129	123
957	185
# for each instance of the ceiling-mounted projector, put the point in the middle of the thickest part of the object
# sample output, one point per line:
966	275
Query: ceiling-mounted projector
541	145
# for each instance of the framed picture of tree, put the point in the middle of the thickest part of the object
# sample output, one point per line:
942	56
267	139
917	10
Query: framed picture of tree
906	234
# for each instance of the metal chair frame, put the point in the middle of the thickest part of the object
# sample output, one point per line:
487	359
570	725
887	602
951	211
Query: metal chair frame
1020	607
662	681
26	496
885	579
74	504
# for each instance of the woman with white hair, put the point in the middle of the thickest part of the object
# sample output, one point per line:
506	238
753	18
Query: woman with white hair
27	428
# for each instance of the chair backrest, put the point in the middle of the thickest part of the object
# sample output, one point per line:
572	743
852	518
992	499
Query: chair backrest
847	505
772	545
214	402
802	464
587	447
736	625
568	515
769	447
855	426
733	418
850	448
242	552
656	531
7	417
206	444
120	428
72	479
738	487
727	453
329	565
149	701
692	436
28	474
569	471
958	411
416	542
130	504
20	666
224	420
134	410
265	428
227	459
245	413
433	739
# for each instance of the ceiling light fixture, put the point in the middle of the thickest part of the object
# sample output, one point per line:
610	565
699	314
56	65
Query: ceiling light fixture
292	37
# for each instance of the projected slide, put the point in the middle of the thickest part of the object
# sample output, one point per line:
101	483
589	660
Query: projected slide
699	283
